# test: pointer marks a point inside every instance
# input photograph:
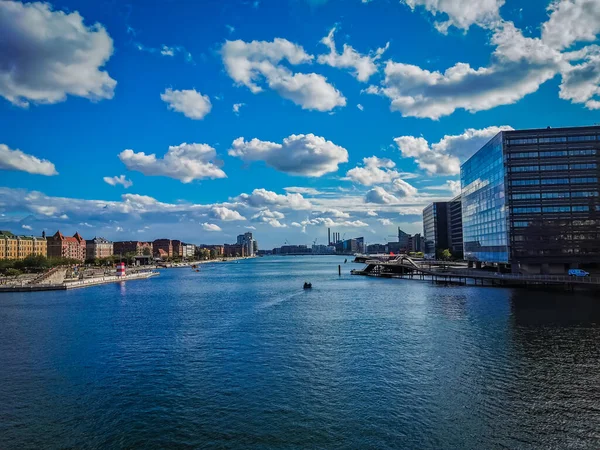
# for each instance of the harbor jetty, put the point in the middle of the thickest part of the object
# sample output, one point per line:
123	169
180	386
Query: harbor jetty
442	272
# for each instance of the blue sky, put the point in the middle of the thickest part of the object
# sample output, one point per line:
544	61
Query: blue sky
350	114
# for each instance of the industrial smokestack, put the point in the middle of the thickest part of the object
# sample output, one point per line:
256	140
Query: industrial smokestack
328	236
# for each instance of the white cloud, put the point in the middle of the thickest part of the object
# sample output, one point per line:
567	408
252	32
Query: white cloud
18	160
361	107
267	213
375	171
403	189
27	227
336	213
452	186
226	214
380	196
519	66
307	155
261	198
167	51
190	102
46	55
328	222
446	156
185	162
302	190
385	222
236	107
461	13
210	227
371	213
364	65
251	63
113	181
571	21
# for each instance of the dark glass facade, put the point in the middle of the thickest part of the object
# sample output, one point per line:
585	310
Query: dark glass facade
532	197
455	229
435	228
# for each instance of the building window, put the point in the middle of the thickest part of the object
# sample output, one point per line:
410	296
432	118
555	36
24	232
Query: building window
556	181
556	209
581	138
583	166
525	182
526	210
524	155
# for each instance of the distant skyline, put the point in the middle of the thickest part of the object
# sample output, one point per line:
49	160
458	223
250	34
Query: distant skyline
200	121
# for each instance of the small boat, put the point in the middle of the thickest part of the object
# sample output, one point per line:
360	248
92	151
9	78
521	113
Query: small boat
307	285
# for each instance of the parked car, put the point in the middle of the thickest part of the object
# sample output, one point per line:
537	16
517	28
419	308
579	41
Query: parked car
578	273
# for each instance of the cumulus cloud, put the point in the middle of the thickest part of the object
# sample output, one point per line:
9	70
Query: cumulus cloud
403	189
385	222
258	63
361	107
185	162
446	156
461	13
307	155
261	198
225	214
113	181
335	213
18	160
374	171
236	107
571	21
364	65
270	217
210	227
190	102
27	227
46	55
380	196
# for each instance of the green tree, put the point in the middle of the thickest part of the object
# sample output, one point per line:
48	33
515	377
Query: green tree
147	252
446	254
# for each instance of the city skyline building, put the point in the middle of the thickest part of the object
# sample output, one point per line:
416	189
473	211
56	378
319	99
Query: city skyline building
531	199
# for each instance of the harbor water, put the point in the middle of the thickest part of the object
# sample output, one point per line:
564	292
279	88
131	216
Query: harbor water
240	356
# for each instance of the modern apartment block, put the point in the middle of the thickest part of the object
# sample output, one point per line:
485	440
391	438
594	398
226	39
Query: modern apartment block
247	240
60	246
98	248
530	198
20	247
442	228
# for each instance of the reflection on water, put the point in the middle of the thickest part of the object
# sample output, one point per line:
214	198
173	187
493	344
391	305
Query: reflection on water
240	356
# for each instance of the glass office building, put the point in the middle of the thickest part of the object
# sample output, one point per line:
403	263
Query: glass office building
485	225
530	198
435	228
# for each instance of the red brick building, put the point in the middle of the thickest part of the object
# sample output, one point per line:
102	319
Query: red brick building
178	248
60	246
165	245
137	247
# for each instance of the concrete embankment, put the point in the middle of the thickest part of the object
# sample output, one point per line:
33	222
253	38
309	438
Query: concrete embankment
78	284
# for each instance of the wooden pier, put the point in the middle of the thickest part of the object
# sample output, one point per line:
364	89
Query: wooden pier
404	267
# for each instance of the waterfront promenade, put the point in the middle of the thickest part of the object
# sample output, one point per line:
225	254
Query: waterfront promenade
405	267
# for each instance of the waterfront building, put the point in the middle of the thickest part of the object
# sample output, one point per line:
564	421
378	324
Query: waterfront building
189	250
20	247
255	247
98	248
292	250
373	249
178	248
530	198
234	250
321	249
60	246
403	240
435	228
138	248
442	228
247	240
166	245
416	243
218	250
